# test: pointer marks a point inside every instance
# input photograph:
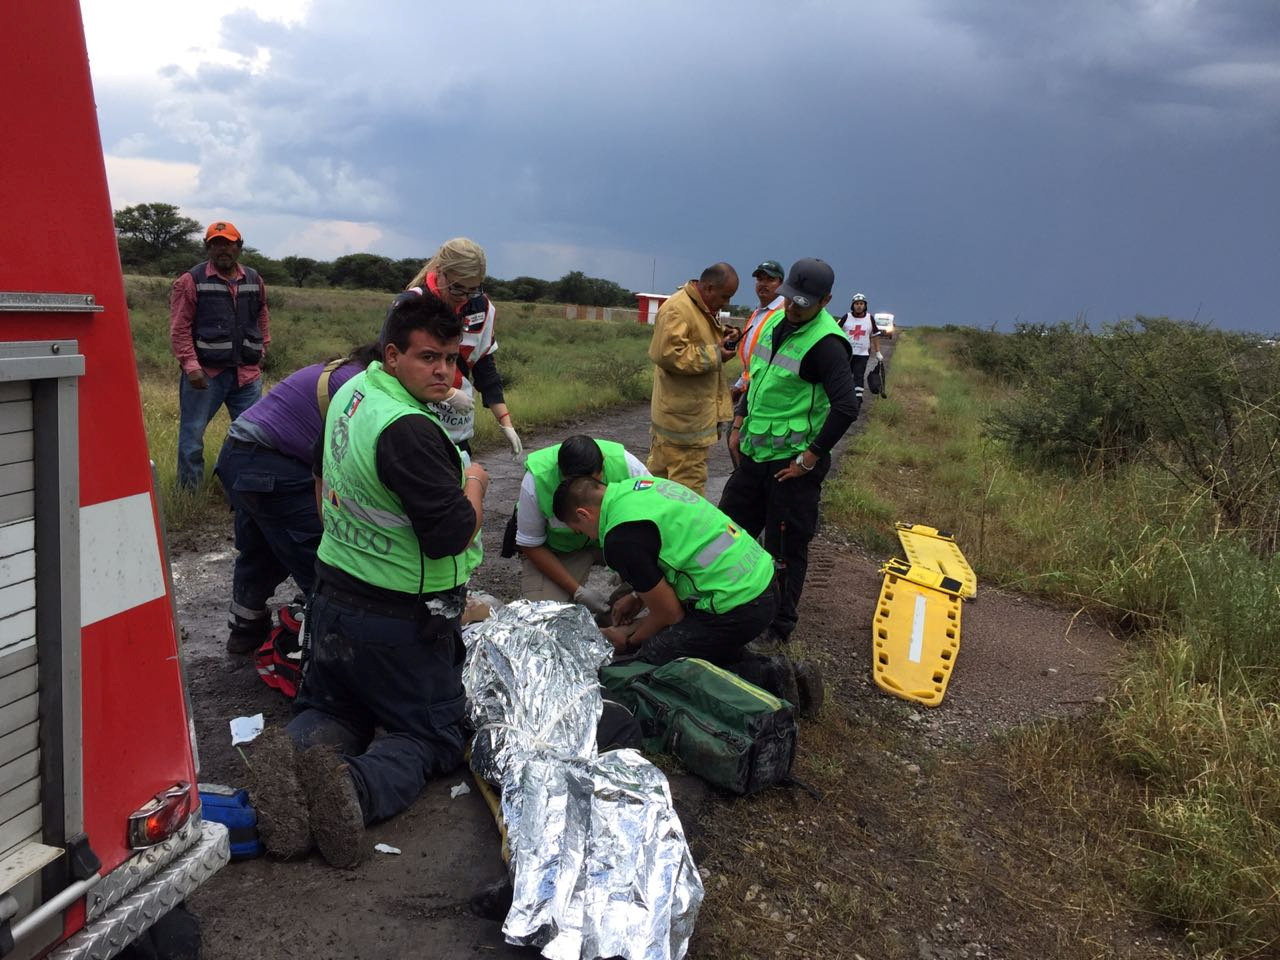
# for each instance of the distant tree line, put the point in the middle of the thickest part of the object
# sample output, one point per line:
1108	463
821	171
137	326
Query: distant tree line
155	238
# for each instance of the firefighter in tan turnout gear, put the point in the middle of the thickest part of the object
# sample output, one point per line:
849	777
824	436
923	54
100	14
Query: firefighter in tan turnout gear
690	393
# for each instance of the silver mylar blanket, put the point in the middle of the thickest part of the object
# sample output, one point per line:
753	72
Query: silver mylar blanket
599	862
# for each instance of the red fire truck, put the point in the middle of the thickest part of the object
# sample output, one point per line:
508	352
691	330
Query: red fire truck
100	826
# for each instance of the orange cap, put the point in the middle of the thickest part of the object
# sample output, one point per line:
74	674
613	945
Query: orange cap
221	228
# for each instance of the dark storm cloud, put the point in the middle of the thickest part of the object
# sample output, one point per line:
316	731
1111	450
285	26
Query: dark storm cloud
969	162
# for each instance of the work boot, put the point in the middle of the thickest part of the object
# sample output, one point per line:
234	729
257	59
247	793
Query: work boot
337	823
246	636
810	687
783	673
771	643
283	822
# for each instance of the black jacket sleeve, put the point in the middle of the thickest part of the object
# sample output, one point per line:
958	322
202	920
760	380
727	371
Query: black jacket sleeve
632	550
827	362
419	465
487	381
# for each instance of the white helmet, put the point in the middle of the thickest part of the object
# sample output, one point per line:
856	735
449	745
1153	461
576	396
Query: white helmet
859	298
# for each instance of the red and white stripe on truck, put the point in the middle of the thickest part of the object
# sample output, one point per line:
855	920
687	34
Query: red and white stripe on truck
100	831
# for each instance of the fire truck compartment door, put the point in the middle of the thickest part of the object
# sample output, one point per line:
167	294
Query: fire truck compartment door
19	683
41	767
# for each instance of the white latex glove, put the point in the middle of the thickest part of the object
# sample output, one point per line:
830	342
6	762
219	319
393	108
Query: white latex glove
513	438
879	355
460	400
593	600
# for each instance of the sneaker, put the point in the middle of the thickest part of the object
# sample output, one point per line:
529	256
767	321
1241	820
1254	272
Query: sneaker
337	823
810	687
281	805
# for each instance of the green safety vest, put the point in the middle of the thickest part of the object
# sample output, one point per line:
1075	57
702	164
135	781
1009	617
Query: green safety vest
784	411
545	466
706	557
366	531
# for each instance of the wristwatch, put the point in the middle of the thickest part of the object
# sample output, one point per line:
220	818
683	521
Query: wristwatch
801	463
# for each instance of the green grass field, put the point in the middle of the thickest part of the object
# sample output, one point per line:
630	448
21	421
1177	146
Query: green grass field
1194	726
545	383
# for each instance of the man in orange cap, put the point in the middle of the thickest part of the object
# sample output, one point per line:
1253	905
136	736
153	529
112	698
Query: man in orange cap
218	327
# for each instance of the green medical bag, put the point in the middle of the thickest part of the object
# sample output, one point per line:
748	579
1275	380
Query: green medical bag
729	732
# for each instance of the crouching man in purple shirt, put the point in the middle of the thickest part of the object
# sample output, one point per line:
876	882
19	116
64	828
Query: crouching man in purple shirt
265	469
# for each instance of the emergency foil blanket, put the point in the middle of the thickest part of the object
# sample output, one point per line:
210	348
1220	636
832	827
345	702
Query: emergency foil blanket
599	863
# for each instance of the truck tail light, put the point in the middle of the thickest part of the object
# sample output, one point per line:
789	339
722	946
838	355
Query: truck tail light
162	817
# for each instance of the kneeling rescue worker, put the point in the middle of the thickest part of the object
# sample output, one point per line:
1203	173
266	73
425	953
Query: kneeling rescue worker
401	522
555	561
708	586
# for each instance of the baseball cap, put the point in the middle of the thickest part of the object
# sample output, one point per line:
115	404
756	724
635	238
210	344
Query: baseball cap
221	228
808	282
771	268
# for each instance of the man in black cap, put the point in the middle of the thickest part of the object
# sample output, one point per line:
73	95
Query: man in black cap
799	402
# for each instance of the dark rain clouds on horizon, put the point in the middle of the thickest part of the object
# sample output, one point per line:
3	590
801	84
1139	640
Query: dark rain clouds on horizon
959	161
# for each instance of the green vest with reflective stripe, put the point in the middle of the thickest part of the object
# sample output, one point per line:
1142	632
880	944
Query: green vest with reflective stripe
784	411
545	466
366	531
708	560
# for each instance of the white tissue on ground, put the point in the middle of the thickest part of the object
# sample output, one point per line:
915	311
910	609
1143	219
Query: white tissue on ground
246	729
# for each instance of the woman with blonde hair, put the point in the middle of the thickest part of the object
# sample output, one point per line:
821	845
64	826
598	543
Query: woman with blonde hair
456	275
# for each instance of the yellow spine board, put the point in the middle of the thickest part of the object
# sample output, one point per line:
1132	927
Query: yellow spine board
924	576
915	640
929	547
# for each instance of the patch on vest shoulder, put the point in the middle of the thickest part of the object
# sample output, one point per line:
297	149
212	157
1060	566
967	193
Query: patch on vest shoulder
356	397
643	485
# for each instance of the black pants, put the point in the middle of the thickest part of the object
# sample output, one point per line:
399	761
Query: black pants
277	528
858	367
370	670
720	638
786	512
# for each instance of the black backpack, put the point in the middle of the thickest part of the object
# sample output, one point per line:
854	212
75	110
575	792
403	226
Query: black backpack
876	379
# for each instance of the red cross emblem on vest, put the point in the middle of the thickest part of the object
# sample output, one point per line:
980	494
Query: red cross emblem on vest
856	332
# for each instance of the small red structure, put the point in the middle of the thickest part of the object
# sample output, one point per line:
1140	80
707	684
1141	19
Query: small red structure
649	304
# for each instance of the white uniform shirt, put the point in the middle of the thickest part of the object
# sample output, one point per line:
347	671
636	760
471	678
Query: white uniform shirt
531	525
477	342
859	330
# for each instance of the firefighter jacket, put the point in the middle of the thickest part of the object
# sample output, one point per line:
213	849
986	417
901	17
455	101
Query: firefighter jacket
690	393
711	563
367	533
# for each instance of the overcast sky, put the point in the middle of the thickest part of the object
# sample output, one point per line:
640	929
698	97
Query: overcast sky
971	161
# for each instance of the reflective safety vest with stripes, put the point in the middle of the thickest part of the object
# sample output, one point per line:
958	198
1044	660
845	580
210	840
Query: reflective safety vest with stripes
366	531
708	559
784	411
751	334
226	329
545	467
